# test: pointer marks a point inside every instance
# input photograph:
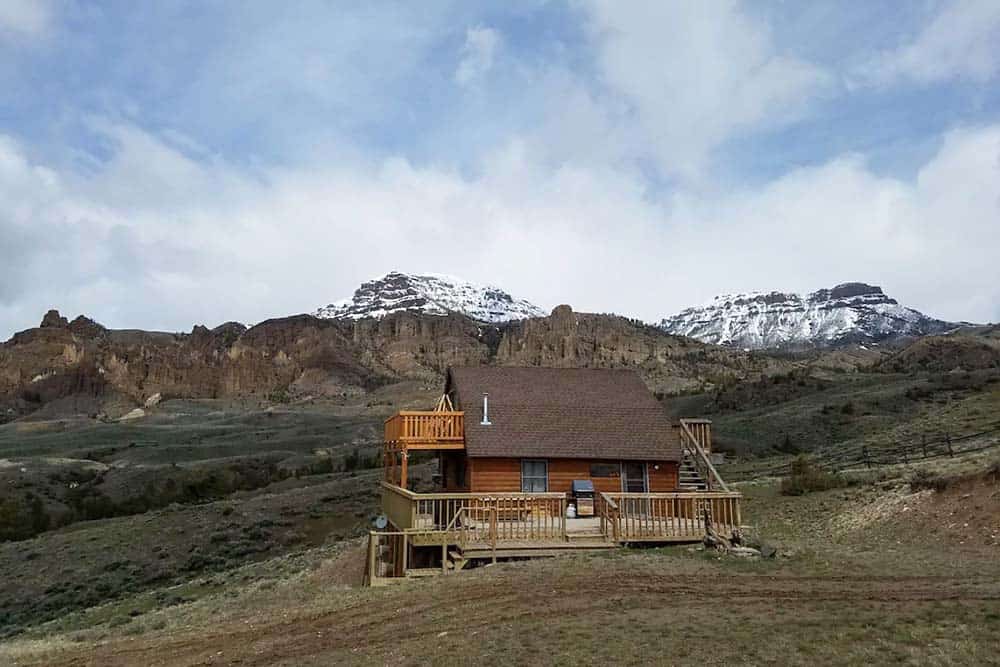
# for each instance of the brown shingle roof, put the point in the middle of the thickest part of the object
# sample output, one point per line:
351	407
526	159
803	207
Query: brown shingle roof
562	413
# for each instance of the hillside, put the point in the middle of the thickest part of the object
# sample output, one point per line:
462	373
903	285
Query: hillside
872	574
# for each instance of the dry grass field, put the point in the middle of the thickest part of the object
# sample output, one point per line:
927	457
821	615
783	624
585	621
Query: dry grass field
874	573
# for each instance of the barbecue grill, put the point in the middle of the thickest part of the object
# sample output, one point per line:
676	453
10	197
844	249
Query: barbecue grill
583	493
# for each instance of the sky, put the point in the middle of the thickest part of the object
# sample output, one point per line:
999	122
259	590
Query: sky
178	163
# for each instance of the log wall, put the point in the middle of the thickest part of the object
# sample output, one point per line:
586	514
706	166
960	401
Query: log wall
497	475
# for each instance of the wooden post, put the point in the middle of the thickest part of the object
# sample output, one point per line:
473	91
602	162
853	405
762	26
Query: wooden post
372	542
562	513
406	554
402	468
923	444
493	532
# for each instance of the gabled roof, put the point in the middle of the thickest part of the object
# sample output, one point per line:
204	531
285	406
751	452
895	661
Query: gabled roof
562	413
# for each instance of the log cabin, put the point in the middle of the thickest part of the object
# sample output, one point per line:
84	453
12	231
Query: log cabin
536	430
535	461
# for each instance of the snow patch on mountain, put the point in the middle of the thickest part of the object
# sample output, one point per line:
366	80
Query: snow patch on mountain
847	313
433	294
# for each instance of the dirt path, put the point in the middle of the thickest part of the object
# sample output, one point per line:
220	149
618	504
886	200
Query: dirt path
400	625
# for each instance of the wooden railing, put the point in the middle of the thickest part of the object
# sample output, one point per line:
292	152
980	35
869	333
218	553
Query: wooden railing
397	505
607	510
634	517
485	516
386	558
693	446
701	431
410	427
506	518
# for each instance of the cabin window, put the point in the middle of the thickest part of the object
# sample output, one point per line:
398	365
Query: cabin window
604	470
534	476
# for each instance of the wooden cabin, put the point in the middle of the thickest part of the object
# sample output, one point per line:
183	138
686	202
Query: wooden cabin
535	430
533	461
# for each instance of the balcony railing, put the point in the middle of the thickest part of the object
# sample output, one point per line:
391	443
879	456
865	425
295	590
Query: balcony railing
428	430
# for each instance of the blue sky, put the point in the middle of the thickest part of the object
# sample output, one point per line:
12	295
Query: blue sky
166	164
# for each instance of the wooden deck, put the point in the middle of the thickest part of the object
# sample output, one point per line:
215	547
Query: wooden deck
465	526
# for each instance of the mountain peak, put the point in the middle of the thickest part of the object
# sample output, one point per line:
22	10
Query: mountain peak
430	293
849	312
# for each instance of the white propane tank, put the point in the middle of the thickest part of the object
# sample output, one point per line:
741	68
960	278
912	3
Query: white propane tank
571	511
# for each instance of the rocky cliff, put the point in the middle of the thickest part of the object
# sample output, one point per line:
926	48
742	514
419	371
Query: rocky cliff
305	355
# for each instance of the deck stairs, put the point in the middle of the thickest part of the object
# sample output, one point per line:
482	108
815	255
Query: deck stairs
688	477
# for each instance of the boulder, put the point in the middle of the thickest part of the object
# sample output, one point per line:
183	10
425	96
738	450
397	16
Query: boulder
138	413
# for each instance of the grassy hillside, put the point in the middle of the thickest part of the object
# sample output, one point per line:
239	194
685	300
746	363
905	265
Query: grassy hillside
874	573
803	411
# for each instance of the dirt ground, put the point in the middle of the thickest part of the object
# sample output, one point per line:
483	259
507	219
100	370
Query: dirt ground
851	585
626	610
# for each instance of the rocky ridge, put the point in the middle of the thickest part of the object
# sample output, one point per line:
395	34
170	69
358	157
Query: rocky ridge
304	355
848	313
431	294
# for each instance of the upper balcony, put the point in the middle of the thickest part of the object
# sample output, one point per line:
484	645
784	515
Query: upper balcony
439	429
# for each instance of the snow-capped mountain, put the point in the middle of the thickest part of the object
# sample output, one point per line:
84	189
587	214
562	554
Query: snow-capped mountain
848	313
430	293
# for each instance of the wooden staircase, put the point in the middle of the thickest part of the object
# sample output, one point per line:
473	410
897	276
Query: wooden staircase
688	477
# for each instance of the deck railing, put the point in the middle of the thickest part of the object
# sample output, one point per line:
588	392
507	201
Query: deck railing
484	516
541	517
635	517
692	441
412	427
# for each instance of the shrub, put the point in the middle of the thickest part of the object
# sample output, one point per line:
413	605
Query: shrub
787	446
924	479
279	396
807	477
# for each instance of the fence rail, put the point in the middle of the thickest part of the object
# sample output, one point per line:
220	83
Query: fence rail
862	455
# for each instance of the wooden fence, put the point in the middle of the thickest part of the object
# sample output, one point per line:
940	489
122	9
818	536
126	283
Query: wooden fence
862	455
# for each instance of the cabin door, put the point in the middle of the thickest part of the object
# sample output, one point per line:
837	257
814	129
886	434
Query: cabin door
634	477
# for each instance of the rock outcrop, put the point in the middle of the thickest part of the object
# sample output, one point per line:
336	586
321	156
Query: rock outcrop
306	355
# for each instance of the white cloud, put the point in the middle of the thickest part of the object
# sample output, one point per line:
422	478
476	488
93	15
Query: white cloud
26	18
478	53
698	73
961	42
228	244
